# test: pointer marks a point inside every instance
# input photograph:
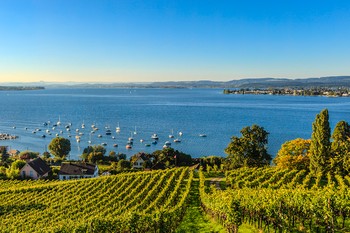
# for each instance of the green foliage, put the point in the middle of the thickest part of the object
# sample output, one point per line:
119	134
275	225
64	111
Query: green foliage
135	202
341	148
286	200
248	150
18	164
294	154
46	155
27	155
215	162
320	148
13	171
60	147
3	155
168	157
123	165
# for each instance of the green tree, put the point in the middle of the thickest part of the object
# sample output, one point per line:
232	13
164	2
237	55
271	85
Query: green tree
121	156
46	155
93	153
168	157
123	165
294	154
248	150
60	147
27	154
3	155
18	164
13	171
340	148
320	147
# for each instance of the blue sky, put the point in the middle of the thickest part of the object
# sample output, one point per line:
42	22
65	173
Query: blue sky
141	41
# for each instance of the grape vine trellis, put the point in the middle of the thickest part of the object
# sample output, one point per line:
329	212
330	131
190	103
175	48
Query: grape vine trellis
137	202
281	202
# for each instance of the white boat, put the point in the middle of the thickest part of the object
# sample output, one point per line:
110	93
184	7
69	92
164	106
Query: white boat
90	139
202	135
135	132
177	140
141	140
115	145
117	129
104	144
154	136
172	134
100	136
59	121
128	146
180	133
83	125
167	143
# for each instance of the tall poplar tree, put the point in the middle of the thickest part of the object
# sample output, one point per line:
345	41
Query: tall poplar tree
320	147
341	147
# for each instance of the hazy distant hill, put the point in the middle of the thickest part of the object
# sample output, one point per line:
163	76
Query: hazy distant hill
333	81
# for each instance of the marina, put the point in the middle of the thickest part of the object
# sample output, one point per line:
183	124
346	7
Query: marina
199	122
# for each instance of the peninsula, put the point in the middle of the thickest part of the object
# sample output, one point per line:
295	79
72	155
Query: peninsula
329	92
20	88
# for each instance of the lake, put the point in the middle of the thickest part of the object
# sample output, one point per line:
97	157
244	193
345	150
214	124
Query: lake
158	111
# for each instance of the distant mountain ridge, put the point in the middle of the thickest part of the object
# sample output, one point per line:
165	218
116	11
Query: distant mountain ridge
330	81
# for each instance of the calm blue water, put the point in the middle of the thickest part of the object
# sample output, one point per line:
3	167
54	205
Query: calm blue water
160	111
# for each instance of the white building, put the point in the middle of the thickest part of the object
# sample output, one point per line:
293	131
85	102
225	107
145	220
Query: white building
77	170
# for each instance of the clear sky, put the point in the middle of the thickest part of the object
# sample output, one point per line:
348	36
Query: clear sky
138	41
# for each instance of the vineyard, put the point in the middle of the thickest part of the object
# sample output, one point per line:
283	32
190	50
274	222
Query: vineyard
136	202
280	200
269	199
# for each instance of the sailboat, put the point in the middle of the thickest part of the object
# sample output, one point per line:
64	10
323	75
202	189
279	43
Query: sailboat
117	129
131	138
90	139
135	132
59	121
172	134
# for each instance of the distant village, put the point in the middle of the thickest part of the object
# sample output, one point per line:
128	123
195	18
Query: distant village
328	92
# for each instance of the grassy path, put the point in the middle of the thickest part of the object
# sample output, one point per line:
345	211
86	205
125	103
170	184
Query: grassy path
195	220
